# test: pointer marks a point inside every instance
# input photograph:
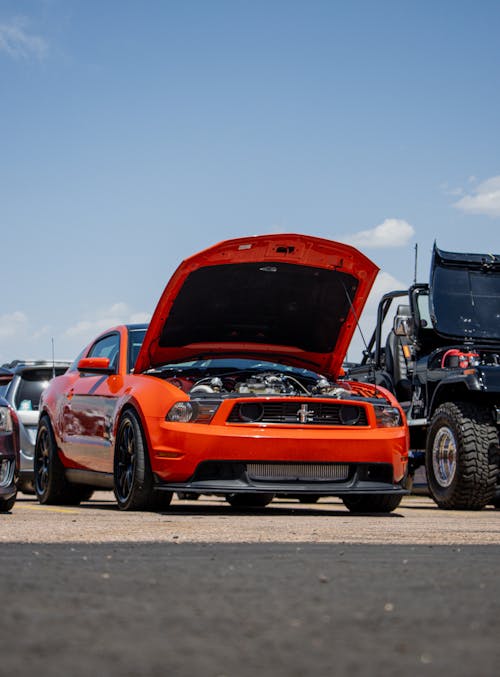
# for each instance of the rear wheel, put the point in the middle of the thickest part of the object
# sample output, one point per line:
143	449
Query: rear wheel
244	501
51	486
461	461
133	479
382	503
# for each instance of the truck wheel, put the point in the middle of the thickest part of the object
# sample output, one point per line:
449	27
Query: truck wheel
377	503
460	458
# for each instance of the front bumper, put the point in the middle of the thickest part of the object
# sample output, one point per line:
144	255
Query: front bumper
179	450
222	477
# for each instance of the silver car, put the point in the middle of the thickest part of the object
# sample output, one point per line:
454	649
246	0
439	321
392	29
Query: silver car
23	383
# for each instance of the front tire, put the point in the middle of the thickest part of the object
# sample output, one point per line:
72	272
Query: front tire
133	478
51	485
381	503
460	464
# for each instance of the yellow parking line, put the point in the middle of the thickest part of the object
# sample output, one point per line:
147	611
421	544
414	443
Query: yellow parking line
44	507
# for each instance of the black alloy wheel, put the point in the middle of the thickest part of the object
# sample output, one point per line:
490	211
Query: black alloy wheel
51	485
133	479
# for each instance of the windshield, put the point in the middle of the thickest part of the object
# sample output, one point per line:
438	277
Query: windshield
466	302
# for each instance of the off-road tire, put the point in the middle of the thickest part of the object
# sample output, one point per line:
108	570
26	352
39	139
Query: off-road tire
6	504
249	501
51	485
133	479
461	457
381	503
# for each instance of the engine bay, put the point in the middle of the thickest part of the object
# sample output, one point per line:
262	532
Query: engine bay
226	378
256	381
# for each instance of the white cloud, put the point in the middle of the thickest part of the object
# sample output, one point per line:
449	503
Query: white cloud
104	318
13	324
484	199
18	43
390	233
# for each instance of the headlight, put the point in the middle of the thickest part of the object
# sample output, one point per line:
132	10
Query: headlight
181	412
199	411
387	416
5	420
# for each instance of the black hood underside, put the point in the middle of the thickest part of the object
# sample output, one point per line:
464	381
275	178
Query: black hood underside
465	295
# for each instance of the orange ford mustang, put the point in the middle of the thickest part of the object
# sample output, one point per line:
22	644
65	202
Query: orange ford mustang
233	389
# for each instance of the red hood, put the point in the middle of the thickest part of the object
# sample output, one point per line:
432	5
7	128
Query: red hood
284	298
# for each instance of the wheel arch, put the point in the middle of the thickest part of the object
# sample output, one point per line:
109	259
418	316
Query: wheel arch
132	405
451	391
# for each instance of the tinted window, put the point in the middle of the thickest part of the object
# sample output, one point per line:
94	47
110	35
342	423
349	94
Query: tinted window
135	341
31	385
109	347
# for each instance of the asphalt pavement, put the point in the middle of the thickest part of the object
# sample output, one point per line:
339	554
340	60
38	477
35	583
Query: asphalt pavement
214	609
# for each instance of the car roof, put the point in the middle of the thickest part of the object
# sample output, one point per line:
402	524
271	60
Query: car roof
18	366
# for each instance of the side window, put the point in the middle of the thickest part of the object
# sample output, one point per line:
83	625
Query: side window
423	309
109	346
135	341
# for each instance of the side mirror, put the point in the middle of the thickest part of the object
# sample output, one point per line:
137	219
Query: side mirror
95	365
402	325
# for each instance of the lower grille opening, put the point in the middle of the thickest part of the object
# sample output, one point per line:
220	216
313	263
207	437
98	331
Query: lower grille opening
298	472
272	472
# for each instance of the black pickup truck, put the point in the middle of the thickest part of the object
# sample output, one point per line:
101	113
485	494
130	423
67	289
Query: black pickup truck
442	360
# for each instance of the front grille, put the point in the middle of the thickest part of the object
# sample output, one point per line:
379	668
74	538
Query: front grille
302	472
309	412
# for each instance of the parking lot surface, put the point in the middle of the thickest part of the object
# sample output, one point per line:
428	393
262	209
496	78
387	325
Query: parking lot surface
212	520
292	590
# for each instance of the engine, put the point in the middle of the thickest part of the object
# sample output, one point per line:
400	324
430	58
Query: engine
268	383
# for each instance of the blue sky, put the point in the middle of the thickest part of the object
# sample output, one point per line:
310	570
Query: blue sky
136	133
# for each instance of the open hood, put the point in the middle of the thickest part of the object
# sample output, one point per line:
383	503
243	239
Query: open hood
464	293
293	299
